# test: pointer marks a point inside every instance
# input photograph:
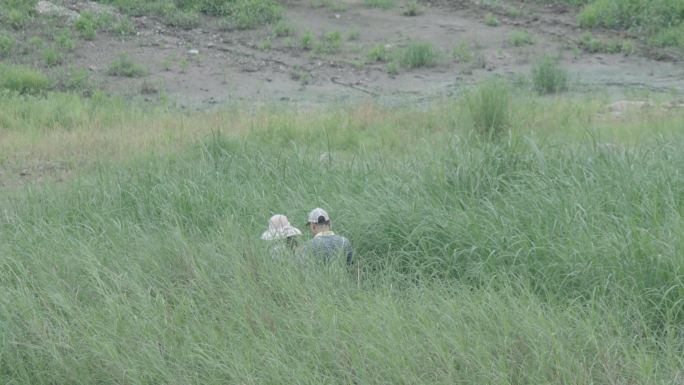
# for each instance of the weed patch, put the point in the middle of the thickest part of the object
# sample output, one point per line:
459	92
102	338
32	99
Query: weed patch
521	38
126	67
418	54
23	80
548	77
489	107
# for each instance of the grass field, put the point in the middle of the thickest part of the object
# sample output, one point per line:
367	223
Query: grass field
548	253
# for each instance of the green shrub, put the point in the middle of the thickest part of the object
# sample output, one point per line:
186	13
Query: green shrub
651	15
669	37
86	25
253	13
418	54
17	18
52	57
393	68
7	44
489	107
23	80
548	77
521	38
126	67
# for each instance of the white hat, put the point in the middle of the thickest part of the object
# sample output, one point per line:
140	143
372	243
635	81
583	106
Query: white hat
318	215
279	227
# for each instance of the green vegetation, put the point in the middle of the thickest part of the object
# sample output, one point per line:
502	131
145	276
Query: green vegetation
125	66
589	43
7	45
548	77
489	108
540	258
284	29
520	38
383	4
22	80
463	53
669	37
234	14
491	20
64	41
52	57
418	54
353	34
307	40
412	8
393	68
379	53
86	25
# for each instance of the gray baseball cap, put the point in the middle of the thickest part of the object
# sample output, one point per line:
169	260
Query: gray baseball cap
318	215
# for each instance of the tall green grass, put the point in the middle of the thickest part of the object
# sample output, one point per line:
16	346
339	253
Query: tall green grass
514	261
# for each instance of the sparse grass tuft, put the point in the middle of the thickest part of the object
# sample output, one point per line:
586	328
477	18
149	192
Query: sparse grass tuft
589	43
669	37
7	45
307	40
383	4
393	68
418	54
489	107
463	53
126	67
548	77
52	57
412	8
23	80
491	20
353	34
520	38
64	41
378	53
284	29
86	25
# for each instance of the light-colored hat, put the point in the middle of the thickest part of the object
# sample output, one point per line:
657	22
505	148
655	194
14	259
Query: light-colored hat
279	227
318	215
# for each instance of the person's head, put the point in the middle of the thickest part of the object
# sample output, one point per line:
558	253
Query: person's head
318	221
279	227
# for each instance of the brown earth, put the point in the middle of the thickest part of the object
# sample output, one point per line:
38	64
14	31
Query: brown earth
205	66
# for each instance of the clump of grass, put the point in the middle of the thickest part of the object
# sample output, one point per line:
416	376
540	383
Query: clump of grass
589	43
17	18
463	53
307	40
265	44
418	54
333	41
36	42
353	34
284	29
669	37
182	19
412	8
520	38
548	77
383	4
491	20
64	41
126	67
378	53
301	75
149	87
489	107
393	68
52	57
86	25
7	45
23	80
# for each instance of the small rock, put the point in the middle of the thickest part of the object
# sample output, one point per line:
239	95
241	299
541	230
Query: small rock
337	16
210	45
193	52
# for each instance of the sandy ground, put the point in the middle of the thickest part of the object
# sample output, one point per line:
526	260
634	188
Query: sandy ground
231	67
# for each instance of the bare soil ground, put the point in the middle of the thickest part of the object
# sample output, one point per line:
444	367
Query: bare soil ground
205	66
